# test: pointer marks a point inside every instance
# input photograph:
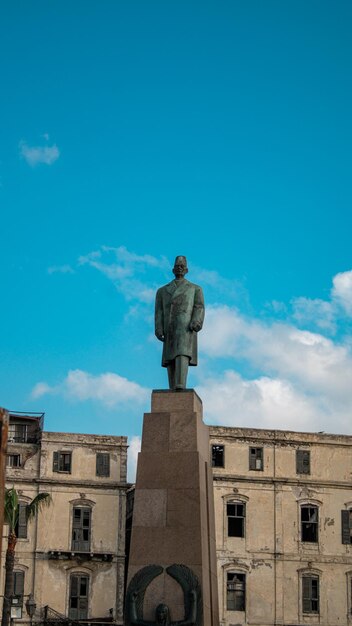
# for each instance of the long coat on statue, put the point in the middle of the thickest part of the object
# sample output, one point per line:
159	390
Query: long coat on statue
178	304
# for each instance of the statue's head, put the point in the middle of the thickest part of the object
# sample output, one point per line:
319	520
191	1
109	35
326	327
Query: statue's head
180	268
162	614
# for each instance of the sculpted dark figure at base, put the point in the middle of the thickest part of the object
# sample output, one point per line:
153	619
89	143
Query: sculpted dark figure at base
162	614
179	316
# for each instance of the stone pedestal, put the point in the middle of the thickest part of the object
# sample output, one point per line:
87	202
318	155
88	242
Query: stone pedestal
173	517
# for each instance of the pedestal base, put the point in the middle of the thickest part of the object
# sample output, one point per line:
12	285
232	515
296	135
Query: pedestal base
173	517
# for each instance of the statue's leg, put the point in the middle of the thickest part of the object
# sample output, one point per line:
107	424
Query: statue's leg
171	374
181	371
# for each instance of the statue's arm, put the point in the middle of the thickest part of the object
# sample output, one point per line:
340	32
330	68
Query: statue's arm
159	316
198	311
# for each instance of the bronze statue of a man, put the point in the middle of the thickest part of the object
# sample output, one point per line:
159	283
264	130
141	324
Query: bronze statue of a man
179	315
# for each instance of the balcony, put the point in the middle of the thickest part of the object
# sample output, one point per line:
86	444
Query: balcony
69	555
25	427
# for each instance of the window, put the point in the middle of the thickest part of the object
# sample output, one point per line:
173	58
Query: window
309	523
78	602
17	433
346	526
302	462
62	462
81	529
103	464
18	586
235	591
236	513
13	460
255	458
310	594
217	456
21	525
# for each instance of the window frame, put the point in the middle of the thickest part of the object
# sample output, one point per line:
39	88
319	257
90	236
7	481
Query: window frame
304	523
242	592
214	447
77	617
311	577
346	526
303	462
254	458
101	464
13	456
16	438
59	461
80	529
21	528
236	503
16	579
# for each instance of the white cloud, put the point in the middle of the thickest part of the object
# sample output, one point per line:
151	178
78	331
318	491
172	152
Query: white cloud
342	290
34	155
122	267
133	450
321	312
262	402
41	389
303	376
110	389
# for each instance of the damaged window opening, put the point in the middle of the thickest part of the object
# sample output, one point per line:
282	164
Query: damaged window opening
81	529
309	524
256	458
217	453
62	462
236	591
236	513
310	594
78	608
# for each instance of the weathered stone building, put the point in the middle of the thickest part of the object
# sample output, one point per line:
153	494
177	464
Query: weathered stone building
71	557
283	506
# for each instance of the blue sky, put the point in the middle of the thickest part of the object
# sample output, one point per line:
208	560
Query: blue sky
135	131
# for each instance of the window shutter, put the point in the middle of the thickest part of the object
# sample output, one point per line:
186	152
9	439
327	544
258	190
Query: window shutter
103	464
306	595
74	586
345	527
299	461
302	462
22	522
56	462
18	584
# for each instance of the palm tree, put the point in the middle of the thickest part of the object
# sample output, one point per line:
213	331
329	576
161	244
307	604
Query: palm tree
11	514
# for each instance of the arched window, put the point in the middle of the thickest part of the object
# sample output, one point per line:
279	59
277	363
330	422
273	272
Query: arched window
236	516
18	586
235	591
81	528
78	596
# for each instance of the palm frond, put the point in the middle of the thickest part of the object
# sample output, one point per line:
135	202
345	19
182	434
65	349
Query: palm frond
11	508
40	501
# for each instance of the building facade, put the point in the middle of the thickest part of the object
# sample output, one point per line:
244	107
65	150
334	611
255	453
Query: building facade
71	557
283	507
